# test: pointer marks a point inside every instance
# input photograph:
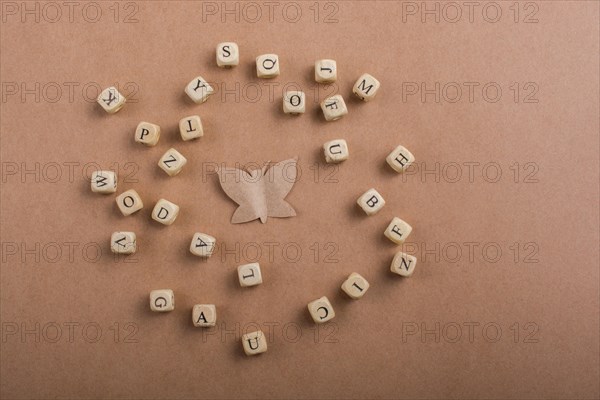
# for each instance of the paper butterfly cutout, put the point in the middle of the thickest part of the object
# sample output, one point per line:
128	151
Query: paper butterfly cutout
261	192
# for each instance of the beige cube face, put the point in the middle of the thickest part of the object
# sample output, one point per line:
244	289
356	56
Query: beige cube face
397	231
111	100
366	87
191	128
371	201
104	182
129	202
355	286
403	264
254	343
325	71
321	310
249	275
294	102
123	242
204	315
400	159
147	133
336	151
202	245
199	90
228	55
162	300
172	162
165	212
267	66
334	108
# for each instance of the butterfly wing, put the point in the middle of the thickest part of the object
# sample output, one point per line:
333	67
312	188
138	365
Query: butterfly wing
244	213
278	181
246	190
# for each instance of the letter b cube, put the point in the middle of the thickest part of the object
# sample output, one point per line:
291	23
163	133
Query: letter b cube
371	202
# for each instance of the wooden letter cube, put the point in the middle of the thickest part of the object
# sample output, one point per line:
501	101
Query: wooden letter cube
191	128
162	300
111	100
147	133
403	264
129	202
321	310
267	66
202	245
104	182
400	159
254	343
325	71
397	231
334	108
336	151
123	242
249	274
228	55
199	90
172	162
294	102
204	315
355	286
165	212
366	87
371	202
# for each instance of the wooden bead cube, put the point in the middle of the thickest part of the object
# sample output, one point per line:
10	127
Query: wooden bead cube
366	87
129	202
204	315
228	55
334	108
355	286
397	231
191	128
336	151
165	212
147	133
267	66
172	162
111	100
371	201
254	343
202	245
199	90
400	159
104	182
325	71
249	275
403	264
123	242
162	300
294	102
321	310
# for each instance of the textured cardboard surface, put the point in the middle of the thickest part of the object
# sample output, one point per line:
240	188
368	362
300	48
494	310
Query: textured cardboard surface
504	204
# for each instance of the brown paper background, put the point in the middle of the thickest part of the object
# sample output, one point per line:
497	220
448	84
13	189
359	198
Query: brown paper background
366	350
